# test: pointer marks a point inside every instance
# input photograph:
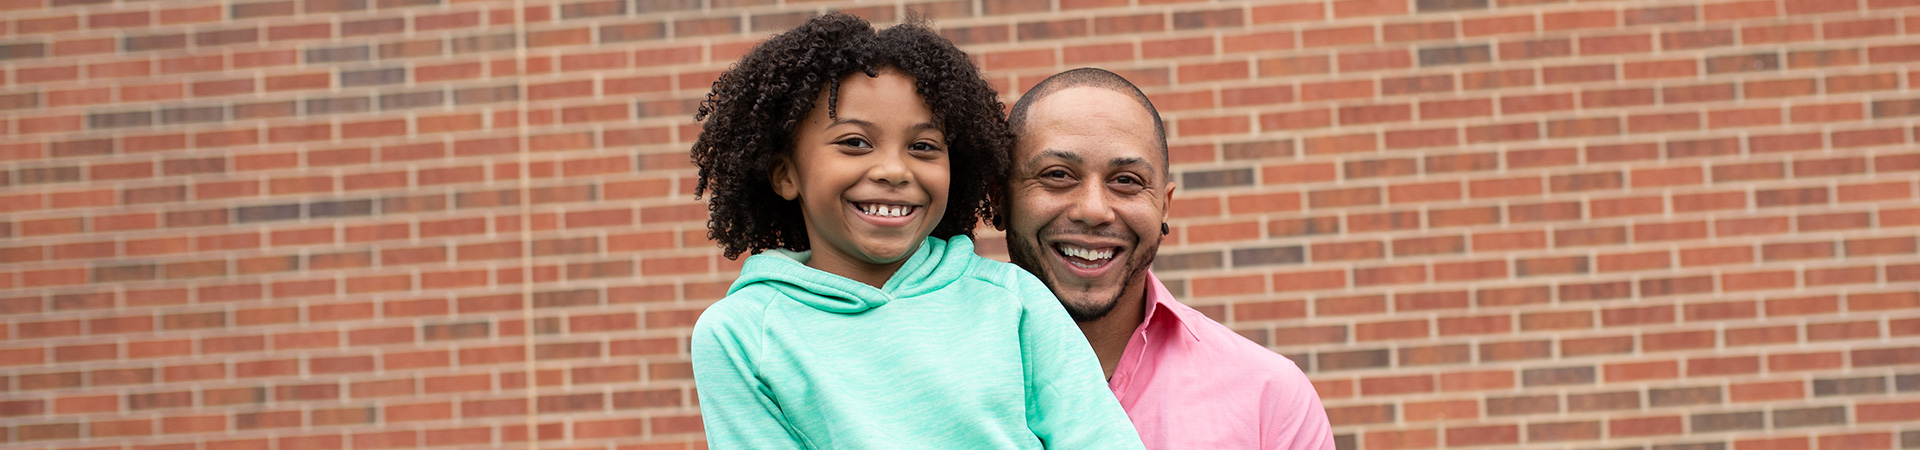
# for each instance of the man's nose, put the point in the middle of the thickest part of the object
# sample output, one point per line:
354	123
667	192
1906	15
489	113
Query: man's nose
1090	205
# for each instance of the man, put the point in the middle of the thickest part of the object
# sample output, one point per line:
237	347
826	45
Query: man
1085	209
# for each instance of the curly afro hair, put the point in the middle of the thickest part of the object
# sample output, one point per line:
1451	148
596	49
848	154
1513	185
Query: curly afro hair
753	108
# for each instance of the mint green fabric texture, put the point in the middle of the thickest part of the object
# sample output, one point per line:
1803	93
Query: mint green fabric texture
956	351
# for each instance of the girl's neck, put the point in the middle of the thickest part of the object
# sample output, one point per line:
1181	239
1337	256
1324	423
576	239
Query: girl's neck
866	273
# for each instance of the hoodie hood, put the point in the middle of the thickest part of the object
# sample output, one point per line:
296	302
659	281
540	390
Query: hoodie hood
935	264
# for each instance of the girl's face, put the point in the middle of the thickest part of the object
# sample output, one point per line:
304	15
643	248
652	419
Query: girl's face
872	181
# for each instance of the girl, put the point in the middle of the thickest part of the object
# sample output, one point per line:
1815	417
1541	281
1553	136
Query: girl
854	166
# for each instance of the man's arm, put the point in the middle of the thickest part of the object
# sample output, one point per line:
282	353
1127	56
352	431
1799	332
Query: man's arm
1295	419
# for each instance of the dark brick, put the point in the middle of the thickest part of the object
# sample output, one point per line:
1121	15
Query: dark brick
119	120
1268	256
653	6
264	213
1896	108
373	26
339	208
215	164
1661	287
386	4
1810	417
160	400
554	299
1910	439
226	37
1647	16
1559	376
22	100
758	23
1380	168
264	110
123	273
338	54
1703	147
593	9
1355	359
1907	383
337	105
488	43
635	32
1256	150
1216	178
1743	63
43	175
486	94
1346	442
441	332
88	147
1707	423
421	203
193	115
263	9
1706	395
199	218
1206	19
1691	446
155	42
1603	401
1849	386
1187	261
372	77
33	50
333	6
407	100
1465	54
977	35
1533	404
162	194
1427	6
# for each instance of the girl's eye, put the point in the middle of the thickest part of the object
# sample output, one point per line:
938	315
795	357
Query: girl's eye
854	142
924	147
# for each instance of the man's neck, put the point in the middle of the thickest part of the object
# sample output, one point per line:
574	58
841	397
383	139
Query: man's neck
1109	335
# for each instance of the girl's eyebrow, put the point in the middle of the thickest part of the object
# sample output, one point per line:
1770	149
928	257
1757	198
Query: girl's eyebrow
865	124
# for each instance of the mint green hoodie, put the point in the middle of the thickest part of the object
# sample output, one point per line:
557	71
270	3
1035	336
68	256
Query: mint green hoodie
954	352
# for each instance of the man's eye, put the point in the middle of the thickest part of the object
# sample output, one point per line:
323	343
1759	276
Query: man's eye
854	142
1054	174
1126	179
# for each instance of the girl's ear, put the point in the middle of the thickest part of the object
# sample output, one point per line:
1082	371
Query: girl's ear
785	181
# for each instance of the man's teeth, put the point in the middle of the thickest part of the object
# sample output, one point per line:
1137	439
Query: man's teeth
885	210
1086	254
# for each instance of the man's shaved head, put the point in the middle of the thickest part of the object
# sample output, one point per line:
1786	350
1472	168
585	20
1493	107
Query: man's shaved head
1087	77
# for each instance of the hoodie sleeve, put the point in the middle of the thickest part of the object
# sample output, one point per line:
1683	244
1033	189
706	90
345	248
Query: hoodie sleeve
1068	403
735	406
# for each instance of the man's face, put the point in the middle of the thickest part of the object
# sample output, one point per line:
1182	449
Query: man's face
1087	196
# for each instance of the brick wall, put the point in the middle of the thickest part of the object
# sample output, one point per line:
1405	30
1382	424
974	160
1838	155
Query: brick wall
298	224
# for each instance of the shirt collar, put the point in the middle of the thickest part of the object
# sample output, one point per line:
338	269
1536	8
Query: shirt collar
1161	306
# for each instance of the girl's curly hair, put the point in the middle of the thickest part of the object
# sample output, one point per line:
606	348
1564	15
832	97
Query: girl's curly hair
753	108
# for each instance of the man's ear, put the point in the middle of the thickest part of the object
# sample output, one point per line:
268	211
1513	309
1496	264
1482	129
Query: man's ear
997	210
1166	201
785	181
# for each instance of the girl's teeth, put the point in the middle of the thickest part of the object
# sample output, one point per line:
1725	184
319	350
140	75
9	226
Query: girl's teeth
886	210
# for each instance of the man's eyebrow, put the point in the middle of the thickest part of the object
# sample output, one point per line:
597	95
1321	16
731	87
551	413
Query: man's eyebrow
1129	160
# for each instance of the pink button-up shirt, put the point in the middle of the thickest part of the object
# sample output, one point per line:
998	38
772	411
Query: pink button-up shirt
1190	383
